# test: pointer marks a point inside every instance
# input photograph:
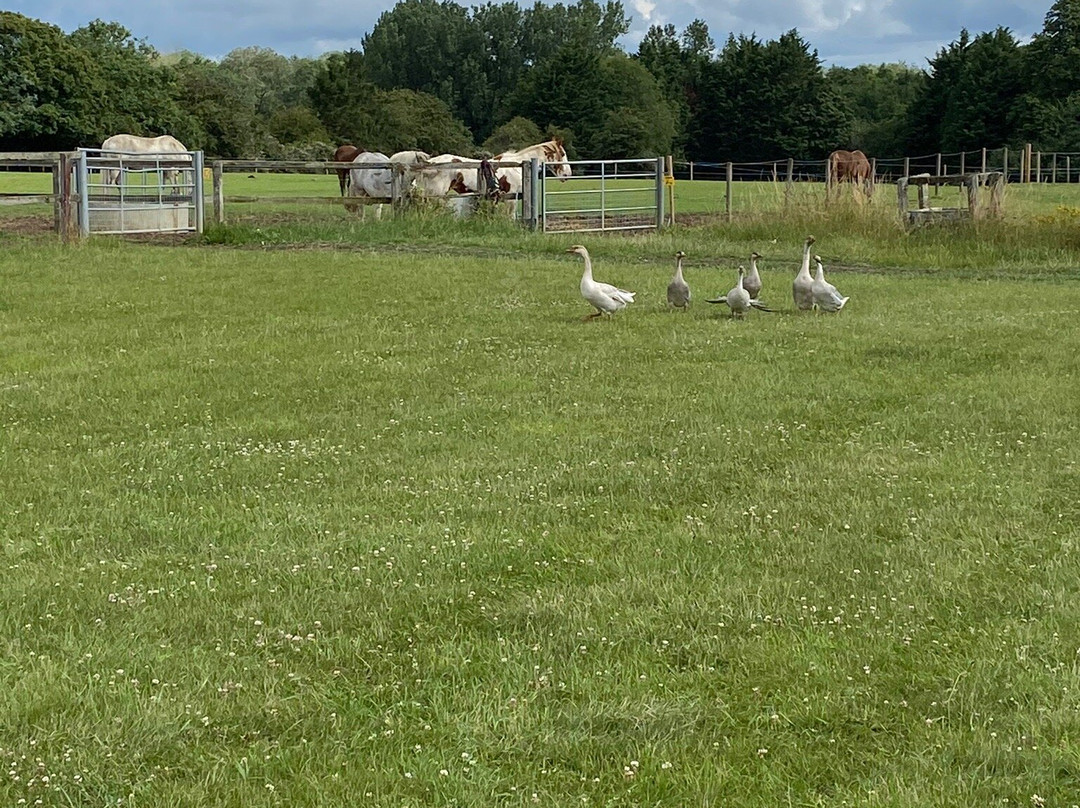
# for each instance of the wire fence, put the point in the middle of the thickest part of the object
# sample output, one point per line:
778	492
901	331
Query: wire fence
1018	165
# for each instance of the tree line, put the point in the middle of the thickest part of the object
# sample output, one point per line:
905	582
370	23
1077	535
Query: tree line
435	75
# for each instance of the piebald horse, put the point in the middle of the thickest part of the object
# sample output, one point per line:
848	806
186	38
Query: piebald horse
550	152
129	146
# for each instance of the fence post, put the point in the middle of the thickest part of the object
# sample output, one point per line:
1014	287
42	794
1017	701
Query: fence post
669	181
1038	167
691	171
659	193
1005	162
68	228
727	194
1053	168
534	197
963	155
56	190
198	192
1068	168
907	166
1027	162
219	193
789	186
983	169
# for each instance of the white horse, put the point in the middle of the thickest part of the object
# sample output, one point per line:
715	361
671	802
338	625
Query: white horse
372	178
550	152
413	157
129	146
441	175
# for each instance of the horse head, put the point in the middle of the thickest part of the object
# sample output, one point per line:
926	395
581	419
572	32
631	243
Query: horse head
555	153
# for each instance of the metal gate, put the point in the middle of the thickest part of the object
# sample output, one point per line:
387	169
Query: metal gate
604	195
126	192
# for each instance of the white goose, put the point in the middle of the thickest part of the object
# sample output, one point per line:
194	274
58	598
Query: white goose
752	281
826	297
678	291
802	287
739	300
607	299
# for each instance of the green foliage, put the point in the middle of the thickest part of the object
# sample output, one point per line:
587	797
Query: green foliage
341	97
879	101
297	125
226	123
47	88
133	91
407	119
767	98
514	134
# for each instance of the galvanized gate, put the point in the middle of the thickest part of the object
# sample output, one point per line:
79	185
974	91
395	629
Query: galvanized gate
604	195
127	192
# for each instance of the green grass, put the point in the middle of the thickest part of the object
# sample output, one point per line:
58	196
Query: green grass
388	524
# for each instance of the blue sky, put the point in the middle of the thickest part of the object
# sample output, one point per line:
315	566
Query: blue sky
844	32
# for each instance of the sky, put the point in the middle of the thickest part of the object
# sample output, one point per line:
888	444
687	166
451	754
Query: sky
843	32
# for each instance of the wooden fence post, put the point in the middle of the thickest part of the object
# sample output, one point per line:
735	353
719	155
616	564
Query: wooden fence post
789	186
727	195
963	155
69	229
907	166
1005	162
1068	168
1038	167
1053	168
983	169
219	192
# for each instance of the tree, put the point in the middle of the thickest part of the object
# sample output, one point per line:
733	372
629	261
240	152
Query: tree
678	64
1053	57
763	99
432	47
225	124
981	110
879	99
341	97
588	92
45	87
407	119
932	102
514	134
132	91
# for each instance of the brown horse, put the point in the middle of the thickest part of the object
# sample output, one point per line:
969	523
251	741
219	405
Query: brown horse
345	153
853	167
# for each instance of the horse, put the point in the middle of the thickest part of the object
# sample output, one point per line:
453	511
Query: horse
129	145
371	181
850	166
413	157
439	175
551	152
345	153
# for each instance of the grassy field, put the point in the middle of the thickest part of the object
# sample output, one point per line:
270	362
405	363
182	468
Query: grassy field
319	513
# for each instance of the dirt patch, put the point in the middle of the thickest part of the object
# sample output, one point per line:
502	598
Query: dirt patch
26	225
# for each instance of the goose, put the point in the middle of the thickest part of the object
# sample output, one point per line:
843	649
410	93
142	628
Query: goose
678	291
801	288
752	281
607	299
826	297
739	300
